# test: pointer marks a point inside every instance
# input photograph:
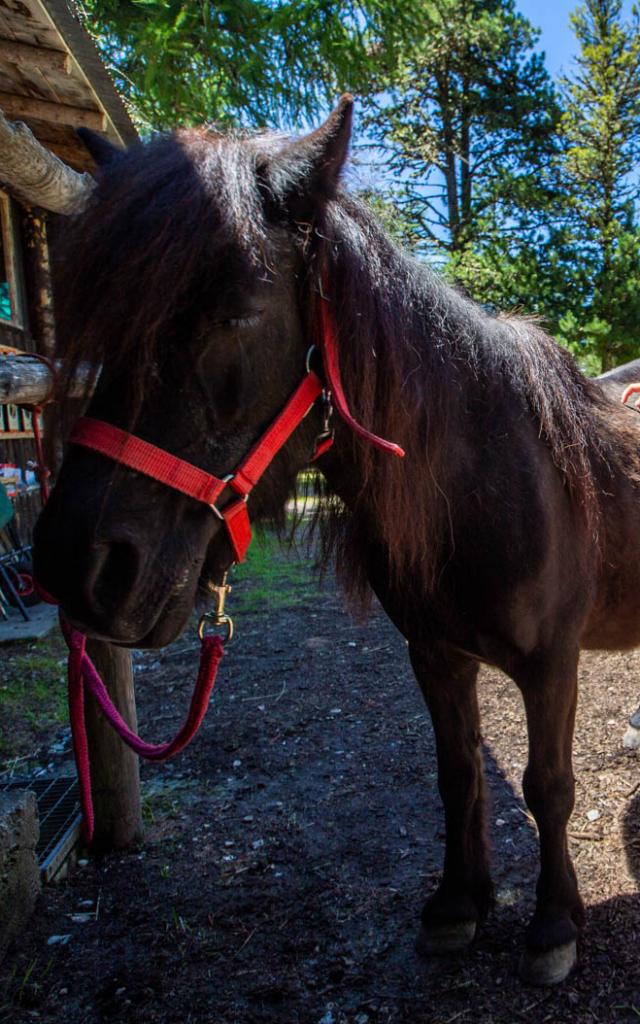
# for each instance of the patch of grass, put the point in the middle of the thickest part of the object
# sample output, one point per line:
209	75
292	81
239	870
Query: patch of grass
33	693
271	577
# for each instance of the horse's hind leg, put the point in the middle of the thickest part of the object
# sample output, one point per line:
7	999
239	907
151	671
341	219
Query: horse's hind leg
450	915
549	688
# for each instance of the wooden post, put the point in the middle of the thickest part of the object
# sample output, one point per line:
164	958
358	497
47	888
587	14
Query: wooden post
37	267
115	776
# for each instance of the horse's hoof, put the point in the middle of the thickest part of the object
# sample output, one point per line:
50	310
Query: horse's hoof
438	940
631	738
548	967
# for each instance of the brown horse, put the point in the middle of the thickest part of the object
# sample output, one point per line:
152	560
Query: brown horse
510	533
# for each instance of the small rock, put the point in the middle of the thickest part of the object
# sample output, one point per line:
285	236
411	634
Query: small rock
58	940
593	815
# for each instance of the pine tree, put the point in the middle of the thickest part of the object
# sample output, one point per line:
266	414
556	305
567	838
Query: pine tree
249	62
467	125
598	253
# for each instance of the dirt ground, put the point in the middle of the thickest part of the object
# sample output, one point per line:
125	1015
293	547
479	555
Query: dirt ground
289	850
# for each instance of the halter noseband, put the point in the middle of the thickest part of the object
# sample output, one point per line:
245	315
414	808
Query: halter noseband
182	476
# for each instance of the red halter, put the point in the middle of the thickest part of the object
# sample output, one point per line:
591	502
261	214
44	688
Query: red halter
182	476
146	458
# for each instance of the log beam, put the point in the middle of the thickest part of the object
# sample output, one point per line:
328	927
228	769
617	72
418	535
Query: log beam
25	56
27	381
35	176
52	113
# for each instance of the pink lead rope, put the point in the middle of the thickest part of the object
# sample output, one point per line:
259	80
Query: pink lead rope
83	673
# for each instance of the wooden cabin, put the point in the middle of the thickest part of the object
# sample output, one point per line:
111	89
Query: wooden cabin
52	79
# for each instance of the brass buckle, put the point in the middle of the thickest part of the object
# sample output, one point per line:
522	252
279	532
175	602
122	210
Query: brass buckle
217	618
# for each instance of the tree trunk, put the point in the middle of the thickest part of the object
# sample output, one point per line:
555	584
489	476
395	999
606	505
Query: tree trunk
451	183
465	161
115	777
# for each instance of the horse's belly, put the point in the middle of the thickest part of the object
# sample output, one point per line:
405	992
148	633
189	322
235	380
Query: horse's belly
615	621
619	634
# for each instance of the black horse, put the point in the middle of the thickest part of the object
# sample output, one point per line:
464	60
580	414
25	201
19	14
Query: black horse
510	533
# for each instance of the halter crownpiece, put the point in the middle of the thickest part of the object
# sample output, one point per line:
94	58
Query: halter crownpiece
332	371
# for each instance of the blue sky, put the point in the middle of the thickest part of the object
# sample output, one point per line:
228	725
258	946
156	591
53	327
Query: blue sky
557	40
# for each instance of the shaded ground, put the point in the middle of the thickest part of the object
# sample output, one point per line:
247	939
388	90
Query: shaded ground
289	850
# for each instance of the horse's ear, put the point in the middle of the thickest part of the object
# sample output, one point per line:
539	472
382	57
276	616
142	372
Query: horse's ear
102	151
307	172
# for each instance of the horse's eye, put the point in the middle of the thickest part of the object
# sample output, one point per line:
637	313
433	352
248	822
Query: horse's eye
251	320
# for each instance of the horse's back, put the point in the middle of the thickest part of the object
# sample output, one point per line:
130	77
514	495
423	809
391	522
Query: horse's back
625	374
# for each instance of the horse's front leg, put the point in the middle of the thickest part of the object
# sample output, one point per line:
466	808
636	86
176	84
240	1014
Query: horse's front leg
463	898
549	687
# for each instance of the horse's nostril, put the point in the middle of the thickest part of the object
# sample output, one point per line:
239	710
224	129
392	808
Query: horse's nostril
112	574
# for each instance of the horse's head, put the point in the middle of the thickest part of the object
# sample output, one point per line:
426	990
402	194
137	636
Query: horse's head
185	281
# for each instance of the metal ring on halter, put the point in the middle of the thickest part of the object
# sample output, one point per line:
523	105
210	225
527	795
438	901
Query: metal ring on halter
307	362
212	622
227	480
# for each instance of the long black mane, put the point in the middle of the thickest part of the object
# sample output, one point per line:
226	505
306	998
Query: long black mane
418	357
415	354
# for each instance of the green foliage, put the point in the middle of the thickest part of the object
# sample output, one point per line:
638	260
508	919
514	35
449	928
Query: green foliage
468	125
394	218
524	193
270	578
600	132
33	695
255	62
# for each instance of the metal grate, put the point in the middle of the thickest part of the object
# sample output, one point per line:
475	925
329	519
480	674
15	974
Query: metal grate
60	819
